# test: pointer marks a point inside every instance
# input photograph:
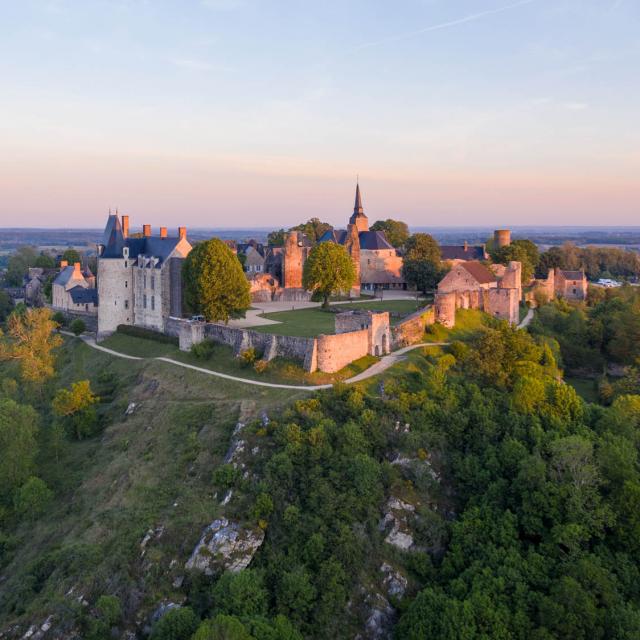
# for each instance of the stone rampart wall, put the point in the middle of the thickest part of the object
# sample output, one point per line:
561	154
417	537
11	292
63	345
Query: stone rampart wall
411	329
337	351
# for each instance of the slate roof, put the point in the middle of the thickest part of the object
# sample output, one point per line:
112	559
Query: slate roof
572	275
369	240
64	276
479	272
114	242
80	295
458	252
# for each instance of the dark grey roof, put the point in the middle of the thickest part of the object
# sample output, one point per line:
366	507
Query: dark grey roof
80	295
155	246
64	276
369	240
458	252
572	275
358	211
113	240
372	240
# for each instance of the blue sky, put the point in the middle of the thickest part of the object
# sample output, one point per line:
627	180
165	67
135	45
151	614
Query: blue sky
228	112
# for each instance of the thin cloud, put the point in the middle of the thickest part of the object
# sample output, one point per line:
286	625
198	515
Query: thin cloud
575	106
443	25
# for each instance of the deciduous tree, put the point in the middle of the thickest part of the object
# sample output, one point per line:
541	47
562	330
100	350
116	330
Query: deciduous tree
214	282
328	271
31	343
396	231
422	267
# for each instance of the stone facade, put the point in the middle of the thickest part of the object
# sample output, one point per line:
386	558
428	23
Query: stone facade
357	334
411	329
571	285
471	285
139	277
74	290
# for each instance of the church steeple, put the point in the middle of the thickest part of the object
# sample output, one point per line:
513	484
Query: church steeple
359	219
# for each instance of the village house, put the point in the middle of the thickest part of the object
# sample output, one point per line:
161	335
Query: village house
73	290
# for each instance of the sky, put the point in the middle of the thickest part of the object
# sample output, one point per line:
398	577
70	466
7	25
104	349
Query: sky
239	113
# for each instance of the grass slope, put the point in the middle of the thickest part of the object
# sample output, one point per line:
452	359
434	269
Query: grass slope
147	471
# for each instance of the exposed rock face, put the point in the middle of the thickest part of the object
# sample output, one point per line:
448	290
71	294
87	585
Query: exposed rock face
225	545
395	518
394	582
380	619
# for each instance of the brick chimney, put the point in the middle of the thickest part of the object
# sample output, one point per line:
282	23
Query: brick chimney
466	246
163	232
146	230
125	226
63	264
76	268
182	232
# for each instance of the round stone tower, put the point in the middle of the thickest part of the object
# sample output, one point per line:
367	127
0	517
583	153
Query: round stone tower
501	238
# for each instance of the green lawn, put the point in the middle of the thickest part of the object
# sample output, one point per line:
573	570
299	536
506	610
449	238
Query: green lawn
314	321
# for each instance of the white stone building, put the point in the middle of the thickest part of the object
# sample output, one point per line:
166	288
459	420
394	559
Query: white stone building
74	290
139	276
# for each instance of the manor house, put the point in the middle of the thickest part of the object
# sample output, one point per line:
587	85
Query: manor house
139	276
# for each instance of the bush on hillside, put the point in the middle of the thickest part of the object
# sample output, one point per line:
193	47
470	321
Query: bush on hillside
78	326
147	334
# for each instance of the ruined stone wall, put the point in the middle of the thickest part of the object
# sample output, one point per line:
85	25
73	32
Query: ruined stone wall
411	329
459	279
292	262
504	304
337	351
190	333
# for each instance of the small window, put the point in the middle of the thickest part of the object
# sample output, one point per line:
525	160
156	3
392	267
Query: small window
126	304
126	284
145	282
125	264
153	303
153	283
144	300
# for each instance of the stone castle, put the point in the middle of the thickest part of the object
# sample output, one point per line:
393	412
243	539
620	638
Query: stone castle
139	276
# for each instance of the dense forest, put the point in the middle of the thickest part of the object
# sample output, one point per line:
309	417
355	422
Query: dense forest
470	493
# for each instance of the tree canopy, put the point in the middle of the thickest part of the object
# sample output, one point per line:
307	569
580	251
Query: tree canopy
523	251
422	267
328	271
214	282
396	231
71	256
31	343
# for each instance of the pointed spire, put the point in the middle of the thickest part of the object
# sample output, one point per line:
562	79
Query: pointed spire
357	208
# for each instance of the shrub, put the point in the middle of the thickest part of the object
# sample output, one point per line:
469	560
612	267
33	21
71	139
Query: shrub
260	366
203	350
177	624
78	326
147	334
58	317
225	476
249	356
33	497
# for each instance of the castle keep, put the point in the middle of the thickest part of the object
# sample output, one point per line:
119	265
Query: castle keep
139	276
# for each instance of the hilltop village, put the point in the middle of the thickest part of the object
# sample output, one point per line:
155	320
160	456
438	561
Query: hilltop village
139	283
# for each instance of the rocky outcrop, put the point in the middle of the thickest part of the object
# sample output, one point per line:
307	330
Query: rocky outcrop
394	583
224	546
395	521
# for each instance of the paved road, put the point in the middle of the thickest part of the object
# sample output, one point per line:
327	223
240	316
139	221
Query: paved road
384	363
526	320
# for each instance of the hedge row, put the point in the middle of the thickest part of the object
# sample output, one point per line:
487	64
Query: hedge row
148	334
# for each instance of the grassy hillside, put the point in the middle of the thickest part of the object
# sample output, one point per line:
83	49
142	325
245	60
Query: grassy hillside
148	471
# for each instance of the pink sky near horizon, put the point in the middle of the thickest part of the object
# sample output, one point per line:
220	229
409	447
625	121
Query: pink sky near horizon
278	192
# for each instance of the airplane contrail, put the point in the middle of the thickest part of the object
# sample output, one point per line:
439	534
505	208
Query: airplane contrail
443	25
